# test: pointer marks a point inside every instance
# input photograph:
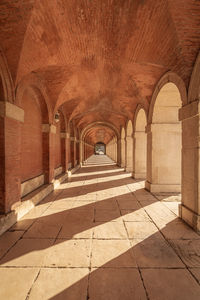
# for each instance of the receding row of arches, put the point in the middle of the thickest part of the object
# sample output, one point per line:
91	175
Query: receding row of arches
152	150
160	145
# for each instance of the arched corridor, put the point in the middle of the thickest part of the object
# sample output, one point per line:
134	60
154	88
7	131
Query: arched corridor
99	149
100	235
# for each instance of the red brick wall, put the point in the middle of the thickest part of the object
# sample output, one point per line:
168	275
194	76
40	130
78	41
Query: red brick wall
31	139
57	158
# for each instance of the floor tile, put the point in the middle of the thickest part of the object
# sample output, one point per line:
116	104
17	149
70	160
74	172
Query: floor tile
70	284
138	215
27	253
171	284
111	230
15	283
76	229
112	253
69	253
8	239
137	230
188	250
155	252
115	284
104	215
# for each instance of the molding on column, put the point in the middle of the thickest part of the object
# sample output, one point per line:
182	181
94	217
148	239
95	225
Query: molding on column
12	111
48	128
63	135
163	188
189	111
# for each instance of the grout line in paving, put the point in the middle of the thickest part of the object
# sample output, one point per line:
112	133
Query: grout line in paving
28	294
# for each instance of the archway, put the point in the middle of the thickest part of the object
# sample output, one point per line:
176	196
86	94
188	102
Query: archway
100	148
129	147
140	145
123	161
164	142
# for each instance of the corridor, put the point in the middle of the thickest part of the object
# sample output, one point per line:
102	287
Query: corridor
101	236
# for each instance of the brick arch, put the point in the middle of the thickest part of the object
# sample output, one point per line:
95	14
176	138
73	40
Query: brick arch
104	124
168	77
6	83
194	87
38	91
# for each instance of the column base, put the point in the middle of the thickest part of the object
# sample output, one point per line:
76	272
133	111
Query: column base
139	175
162	188
127	169
190	217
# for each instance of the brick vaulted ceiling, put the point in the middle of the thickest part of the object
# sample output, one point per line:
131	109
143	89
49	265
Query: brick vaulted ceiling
97	59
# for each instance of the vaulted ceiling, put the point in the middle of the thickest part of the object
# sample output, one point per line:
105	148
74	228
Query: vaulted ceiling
97	59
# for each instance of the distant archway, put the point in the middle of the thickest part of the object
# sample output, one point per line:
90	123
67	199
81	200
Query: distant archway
100	148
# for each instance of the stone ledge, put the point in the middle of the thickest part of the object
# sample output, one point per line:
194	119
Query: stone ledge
28	202
58	171
190	217
71	171
31	185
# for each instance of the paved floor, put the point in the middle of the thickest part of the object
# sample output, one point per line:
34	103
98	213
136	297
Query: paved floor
101	236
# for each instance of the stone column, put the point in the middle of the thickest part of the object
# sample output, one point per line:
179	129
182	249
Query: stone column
163	158
11	119
190	207
122	152
64	150
139	155
81	144
118	152
48	137
129	154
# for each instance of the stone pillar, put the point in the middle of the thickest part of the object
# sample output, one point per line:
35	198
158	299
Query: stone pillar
77	152
129	154
122	152
72	151
11	119
163	158
64	150
190	207
48	137
139	155
118	152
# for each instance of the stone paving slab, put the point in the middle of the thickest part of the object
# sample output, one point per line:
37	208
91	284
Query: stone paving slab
170	284
100	236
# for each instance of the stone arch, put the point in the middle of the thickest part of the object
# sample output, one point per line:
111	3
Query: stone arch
140	144
164	139
6	83
169	77
129	146
98	123
194	87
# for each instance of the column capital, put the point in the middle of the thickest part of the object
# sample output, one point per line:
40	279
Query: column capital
49	128
63	135
12	111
